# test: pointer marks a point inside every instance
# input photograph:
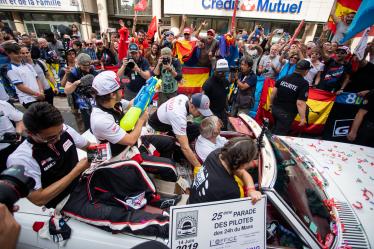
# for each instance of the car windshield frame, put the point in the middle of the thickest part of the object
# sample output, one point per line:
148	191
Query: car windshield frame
286	157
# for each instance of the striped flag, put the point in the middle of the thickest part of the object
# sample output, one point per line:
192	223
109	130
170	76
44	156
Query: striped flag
362	20
343	7
193	79
183	50
319	102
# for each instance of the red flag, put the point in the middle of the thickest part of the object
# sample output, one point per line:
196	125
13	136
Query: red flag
152	29
233	19
141	5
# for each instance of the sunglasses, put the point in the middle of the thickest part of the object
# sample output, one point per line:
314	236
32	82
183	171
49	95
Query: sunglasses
89	44
341	52
309	48
294	57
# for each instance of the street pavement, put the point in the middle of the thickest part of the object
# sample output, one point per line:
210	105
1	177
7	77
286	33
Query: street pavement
61	103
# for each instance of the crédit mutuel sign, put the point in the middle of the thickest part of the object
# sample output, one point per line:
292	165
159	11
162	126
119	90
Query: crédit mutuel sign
255	5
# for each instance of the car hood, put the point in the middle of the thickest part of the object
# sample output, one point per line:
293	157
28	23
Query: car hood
348	170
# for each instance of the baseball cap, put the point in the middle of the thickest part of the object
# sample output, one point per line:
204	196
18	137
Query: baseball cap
211	31
303	65
345	48
201	102
169	33
106	82
187	31
222	65
133	48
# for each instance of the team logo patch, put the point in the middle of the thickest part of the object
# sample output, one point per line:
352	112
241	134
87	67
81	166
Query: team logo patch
67	145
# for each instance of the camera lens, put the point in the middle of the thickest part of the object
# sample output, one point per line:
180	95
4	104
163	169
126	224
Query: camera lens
14	185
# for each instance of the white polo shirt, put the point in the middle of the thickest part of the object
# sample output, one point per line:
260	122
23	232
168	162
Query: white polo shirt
8	113
23	156
24	74
104	126
3	94
174	112
204	147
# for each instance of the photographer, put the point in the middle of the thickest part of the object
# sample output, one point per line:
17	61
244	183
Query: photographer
82	100
134	71
169	70
8	116
246	82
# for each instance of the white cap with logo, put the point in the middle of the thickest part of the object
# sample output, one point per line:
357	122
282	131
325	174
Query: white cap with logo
106	82
222	65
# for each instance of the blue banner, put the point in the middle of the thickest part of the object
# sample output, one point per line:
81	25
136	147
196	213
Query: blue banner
349	99
259	86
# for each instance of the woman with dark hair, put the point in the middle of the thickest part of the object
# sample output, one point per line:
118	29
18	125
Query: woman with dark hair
217	179
75	31
153	55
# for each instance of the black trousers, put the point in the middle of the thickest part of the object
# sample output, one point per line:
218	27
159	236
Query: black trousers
365	134
223	116
161	165
114	217
282	121
4	154
29	104
192	129
49	95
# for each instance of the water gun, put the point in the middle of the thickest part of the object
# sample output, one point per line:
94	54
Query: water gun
141	102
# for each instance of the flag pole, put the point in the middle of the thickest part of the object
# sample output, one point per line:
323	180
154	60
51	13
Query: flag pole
233	19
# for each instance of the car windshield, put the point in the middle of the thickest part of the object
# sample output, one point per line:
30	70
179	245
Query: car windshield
299	187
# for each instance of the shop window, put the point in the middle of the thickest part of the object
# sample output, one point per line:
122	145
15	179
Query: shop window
42	29
247	25
40	17
221	26
127	8
30	28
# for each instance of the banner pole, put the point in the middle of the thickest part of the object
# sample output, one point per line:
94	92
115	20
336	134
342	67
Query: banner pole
233	19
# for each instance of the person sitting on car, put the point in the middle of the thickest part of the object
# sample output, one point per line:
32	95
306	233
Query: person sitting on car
50	157
105	120
216	181
209	138
171	117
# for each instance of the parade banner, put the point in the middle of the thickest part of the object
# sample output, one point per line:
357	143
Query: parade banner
236	224
193	79
341	117
319	105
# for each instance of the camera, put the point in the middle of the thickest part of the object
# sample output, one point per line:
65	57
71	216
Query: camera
131	62
165	60
85	87
10	137
14	185
235	66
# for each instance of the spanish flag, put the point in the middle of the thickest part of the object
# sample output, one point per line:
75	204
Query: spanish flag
319	105
193	79
343	7
184	49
